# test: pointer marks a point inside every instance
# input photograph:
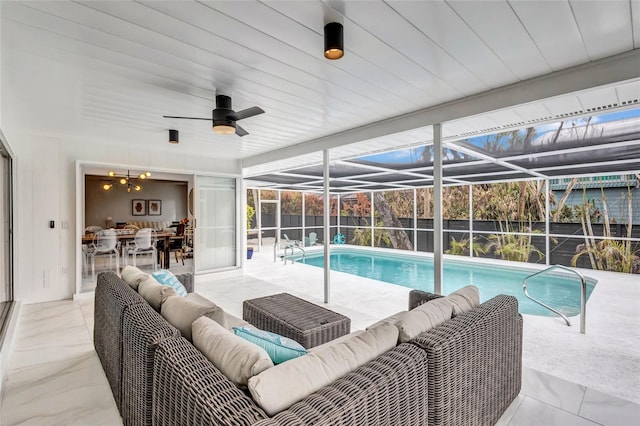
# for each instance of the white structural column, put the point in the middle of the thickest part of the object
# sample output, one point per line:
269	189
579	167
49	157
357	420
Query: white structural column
547	225
415	219
338	214
304	215
470	220
257	204
437	208
372	218
326	222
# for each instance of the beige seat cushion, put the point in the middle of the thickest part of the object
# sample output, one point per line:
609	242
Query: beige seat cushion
133	276
181	312
229	321
279	387
155	293
464	299
423	318
235	357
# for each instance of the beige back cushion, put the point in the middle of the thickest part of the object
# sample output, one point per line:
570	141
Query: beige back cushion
464	299
222	317
198	298
133	276
155	293
423	318
181	312
235	357
389	320
279	387
335	341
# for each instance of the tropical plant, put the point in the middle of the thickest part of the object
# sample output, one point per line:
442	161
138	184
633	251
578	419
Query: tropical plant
362	237
607	254
458	248
290	203
513	246
385	214
564	213
461	248
511	201
250	213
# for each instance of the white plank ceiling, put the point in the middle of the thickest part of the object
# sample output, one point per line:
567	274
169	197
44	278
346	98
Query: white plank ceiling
133	62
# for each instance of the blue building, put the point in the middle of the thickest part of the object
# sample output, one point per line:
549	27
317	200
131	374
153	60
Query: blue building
616	189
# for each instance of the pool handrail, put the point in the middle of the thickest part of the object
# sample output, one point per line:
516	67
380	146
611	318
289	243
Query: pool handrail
583	295
291	256
288	244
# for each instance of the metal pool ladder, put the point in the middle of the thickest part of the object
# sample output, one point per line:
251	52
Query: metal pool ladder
284	255
583	294
292	247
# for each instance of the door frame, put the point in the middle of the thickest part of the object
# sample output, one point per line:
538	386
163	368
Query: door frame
84	167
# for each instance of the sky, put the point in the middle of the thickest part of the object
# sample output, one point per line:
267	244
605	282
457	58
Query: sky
413	155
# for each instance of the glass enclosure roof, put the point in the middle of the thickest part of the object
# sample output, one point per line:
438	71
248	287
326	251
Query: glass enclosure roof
598	144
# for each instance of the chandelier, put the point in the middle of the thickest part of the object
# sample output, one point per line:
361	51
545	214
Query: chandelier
131	182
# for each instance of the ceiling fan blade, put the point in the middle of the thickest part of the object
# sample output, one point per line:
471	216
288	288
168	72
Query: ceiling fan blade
187	118
249	112
240	131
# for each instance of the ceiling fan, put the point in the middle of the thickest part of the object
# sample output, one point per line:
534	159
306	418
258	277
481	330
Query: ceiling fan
224	118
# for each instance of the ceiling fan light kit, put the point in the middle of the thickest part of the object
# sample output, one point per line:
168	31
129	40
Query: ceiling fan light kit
223	129
333	41
224	118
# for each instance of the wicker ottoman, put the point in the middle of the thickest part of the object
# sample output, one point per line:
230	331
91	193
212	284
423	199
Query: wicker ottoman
306	323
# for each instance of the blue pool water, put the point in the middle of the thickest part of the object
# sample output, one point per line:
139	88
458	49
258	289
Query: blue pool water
560	291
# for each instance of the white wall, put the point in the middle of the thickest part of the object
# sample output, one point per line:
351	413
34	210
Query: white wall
46	156
0	65
45	167
116	202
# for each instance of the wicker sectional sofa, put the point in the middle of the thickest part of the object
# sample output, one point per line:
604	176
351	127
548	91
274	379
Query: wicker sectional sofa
465	371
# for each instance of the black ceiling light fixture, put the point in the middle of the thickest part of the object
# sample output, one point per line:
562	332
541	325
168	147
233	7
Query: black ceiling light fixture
174	136
333	41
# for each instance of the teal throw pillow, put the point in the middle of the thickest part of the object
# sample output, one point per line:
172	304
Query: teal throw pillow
165	277
279	348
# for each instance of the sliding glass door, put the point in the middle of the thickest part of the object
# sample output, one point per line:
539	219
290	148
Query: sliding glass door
6	238
216	224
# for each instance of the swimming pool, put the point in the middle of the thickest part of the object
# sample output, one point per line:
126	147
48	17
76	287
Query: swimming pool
560	291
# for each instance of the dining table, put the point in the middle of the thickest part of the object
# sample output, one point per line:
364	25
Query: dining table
164	256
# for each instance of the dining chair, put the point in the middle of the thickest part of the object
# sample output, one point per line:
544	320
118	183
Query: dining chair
186	250
105	242
144	242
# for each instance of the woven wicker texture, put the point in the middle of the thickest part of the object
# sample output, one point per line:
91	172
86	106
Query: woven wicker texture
112	298
143	329
475	364
390	390
189	390
306	323
464	372
418	297
187	281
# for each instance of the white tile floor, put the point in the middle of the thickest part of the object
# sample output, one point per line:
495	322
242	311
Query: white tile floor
55	376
